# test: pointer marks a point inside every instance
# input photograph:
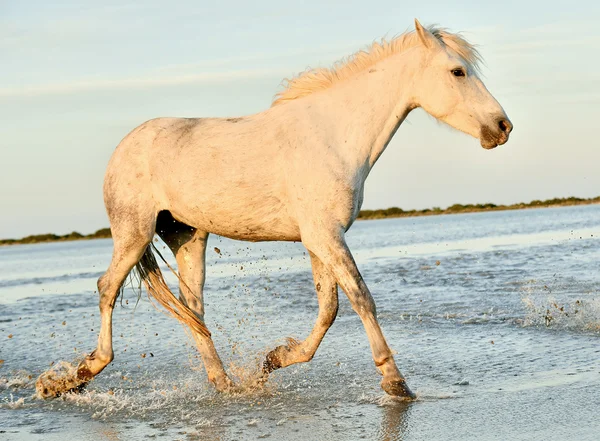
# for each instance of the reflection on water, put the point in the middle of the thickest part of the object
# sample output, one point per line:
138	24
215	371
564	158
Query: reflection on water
497	311
394	422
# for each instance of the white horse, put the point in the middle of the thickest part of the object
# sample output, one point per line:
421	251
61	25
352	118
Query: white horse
294	172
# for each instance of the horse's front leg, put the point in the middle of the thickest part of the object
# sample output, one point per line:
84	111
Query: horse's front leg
299	352
334	253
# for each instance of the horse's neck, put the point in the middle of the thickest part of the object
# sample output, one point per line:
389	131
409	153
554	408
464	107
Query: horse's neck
368	109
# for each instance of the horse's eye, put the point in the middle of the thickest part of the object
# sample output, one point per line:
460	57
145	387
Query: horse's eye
458	72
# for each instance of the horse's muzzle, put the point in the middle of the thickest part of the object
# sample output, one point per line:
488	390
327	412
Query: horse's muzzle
493	137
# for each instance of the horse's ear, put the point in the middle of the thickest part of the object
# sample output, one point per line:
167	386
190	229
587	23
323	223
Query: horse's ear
426	37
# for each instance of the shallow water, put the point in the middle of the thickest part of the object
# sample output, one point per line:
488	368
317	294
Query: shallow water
495	318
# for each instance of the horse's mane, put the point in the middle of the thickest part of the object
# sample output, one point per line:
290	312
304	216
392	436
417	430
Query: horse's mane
313	80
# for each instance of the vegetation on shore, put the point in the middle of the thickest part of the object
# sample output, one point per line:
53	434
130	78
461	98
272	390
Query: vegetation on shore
473	208
104	233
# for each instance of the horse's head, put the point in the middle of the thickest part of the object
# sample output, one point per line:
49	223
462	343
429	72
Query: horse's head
449	89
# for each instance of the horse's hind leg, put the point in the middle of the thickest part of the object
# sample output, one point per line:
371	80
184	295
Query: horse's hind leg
189	247
130	241
127	252
299	352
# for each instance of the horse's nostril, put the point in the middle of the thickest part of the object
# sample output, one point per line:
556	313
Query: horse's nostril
505	126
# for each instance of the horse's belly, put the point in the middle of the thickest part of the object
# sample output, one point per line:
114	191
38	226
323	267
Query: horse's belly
263	220
259	234
243	199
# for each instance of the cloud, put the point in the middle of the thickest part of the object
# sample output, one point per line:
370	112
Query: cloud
272	65
92	85
580	42
580	98
333	51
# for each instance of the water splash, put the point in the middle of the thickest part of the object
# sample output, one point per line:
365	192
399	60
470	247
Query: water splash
11	403
20	380
59	378
578	314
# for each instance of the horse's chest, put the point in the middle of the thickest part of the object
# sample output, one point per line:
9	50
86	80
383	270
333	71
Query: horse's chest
344	203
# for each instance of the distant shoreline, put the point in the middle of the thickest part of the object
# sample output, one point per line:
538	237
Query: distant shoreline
393	212
103	233
474	208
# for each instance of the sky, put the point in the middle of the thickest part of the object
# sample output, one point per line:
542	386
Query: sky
77	76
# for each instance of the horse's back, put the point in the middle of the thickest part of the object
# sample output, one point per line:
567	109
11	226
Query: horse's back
222	175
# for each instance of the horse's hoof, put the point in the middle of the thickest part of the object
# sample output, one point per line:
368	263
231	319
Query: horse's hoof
59	380
222	384
272	361
83	372
398	388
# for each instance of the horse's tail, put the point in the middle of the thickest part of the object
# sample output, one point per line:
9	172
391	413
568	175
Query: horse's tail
156	286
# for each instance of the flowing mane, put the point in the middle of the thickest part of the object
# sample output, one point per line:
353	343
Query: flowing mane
313	80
